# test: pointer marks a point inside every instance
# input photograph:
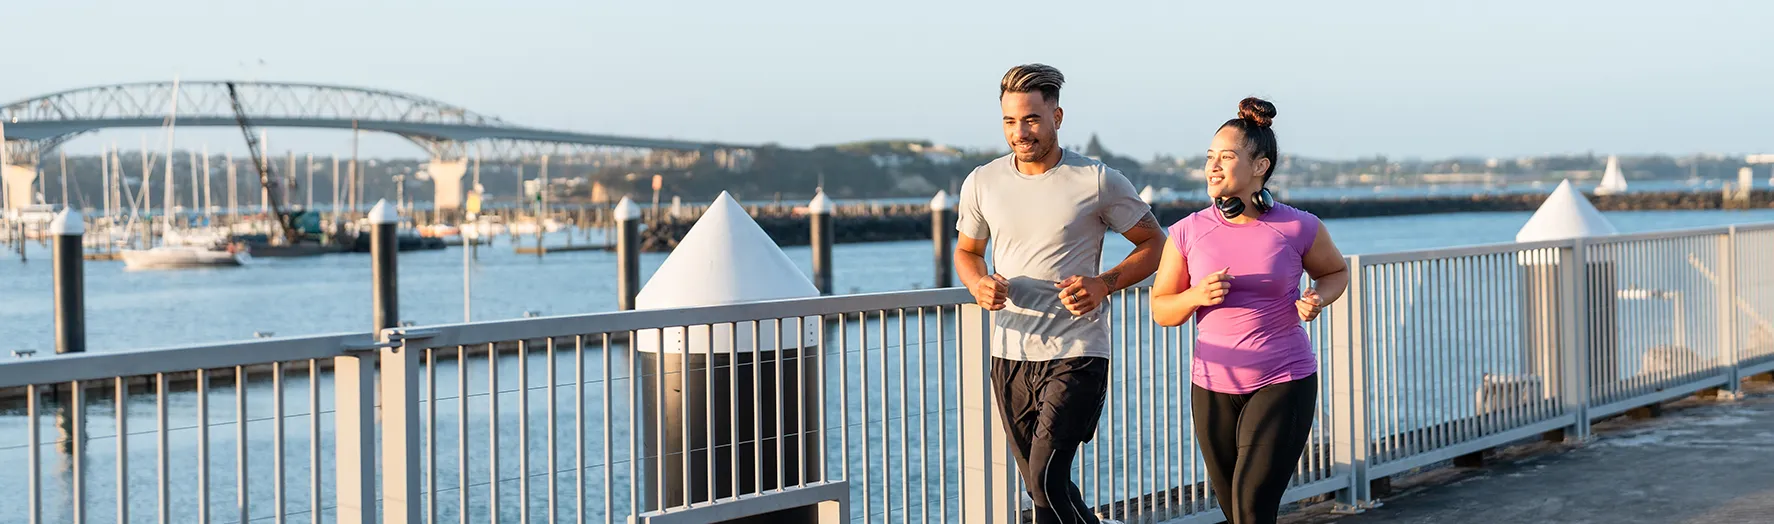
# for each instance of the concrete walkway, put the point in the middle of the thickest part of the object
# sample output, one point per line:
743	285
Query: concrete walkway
1702	461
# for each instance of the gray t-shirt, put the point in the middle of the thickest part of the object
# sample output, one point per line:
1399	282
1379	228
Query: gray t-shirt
1044	228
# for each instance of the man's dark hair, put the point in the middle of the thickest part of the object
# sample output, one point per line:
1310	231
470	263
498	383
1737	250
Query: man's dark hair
1029	78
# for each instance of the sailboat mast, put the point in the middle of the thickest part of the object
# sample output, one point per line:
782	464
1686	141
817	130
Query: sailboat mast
264	163
105	176
119	188
4	201
147	191
233	191
209	203
125	195
172	120
289	176
116	180
196	185
64	158
355	181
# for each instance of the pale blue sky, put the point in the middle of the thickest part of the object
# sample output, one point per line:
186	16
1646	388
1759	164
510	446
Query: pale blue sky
1402	78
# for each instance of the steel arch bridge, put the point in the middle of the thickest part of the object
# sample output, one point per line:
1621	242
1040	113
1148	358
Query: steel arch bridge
447	131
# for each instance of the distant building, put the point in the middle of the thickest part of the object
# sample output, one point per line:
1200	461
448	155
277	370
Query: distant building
1455	178
734	159
935	154
890	161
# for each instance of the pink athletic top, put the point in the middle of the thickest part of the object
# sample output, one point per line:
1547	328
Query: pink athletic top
1254	338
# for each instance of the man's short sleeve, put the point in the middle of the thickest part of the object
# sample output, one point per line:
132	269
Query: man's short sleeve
970	220
1118	204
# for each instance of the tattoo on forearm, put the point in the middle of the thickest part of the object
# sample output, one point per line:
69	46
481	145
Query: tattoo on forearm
1112	279
1148	222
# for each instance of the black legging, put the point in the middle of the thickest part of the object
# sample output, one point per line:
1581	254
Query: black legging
1251	443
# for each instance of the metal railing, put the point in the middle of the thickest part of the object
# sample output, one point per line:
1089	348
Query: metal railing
174	435
1657	329
1457	350
672	410
877	401
1753	306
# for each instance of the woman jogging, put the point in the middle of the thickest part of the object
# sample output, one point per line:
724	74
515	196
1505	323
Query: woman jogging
1235	268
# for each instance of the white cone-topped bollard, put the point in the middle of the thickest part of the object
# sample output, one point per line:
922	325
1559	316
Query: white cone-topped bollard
942	232
70	282
628	253
1565	215
819	211
742	381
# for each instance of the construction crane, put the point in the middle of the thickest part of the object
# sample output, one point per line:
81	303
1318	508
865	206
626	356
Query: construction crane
266	178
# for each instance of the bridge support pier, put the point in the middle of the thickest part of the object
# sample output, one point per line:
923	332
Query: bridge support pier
446	183
20	183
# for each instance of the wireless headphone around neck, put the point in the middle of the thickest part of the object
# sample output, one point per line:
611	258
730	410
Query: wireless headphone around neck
1231	206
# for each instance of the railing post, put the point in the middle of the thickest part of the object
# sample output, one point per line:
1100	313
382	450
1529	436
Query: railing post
1351	443
1727	308
988	490
1574	358
354	437
401	433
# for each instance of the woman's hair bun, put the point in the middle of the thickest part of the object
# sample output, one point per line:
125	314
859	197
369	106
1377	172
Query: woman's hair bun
1257	110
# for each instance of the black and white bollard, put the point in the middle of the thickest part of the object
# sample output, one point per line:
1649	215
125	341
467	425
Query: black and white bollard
70	282
354	381
942	234
628	253
384	270
820	211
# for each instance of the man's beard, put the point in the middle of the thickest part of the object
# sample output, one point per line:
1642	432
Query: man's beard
1039	150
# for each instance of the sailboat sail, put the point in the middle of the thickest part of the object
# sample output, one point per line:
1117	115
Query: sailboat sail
1612	181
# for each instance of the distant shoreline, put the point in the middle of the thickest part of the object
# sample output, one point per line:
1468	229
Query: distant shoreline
888	223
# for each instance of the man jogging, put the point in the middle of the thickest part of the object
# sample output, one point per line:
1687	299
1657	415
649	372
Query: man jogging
1045	211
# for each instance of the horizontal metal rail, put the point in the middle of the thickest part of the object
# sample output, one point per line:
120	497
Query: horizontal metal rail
49	369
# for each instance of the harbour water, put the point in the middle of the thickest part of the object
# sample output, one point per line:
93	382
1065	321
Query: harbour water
132	310
331	294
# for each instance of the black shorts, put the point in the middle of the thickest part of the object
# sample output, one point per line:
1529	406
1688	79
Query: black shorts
1052	400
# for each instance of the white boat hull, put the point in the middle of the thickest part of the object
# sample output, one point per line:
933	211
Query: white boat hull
529	228
177	257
